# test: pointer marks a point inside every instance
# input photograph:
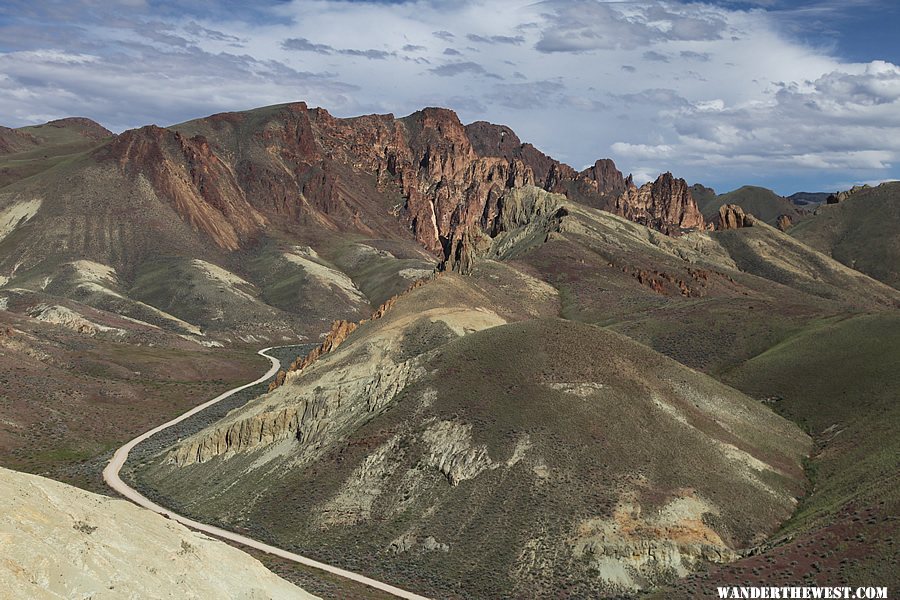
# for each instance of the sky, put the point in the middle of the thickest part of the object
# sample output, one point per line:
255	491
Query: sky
791	95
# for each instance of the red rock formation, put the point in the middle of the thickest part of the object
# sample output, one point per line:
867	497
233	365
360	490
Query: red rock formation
731	216
295	166
186	171
665	205
598	185
784	222
606	177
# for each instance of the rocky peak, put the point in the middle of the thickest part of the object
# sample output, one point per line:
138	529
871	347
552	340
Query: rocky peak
606	177
665	205
731	216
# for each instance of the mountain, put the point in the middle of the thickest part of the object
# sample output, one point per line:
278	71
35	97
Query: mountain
27	151
281	197
811	199
62	542
460	426
476	457
861	231
490	358
760	202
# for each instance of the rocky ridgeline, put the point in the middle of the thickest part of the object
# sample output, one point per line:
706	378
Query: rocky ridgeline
304	166
844	195
340	331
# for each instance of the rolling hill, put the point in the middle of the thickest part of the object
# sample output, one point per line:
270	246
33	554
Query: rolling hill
760	202
861	231
556	377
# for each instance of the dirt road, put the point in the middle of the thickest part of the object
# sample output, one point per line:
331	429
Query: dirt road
111	477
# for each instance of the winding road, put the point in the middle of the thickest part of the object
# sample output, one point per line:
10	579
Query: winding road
111	477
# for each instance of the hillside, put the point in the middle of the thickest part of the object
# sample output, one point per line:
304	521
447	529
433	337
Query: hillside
554	373
845	528
462	456
861	231
760	202
62	542
28	151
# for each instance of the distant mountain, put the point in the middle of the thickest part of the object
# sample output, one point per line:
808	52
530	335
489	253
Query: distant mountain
808	198
26	151
860	231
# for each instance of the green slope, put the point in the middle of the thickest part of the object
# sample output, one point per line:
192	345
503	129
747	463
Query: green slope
860	232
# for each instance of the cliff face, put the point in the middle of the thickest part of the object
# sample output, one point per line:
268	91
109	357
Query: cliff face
598	185
424	175
190	175
665	205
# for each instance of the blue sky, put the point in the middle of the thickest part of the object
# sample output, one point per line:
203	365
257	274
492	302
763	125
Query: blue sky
801	95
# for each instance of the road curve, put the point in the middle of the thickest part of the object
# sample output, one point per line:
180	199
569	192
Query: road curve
111	477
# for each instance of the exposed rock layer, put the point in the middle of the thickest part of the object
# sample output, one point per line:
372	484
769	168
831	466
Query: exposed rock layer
62	542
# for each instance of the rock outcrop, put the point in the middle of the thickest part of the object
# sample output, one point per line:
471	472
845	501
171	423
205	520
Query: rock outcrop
598	185
665	205
784	222
839	197
731	216
340	399
340	331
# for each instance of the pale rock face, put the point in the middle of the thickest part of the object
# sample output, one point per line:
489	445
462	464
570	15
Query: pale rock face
632	550
453	452
62	542
311	415
60	315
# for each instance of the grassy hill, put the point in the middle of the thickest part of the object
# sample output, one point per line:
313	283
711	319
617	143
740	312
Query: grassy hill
762	203
499	463
838	378
861	232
